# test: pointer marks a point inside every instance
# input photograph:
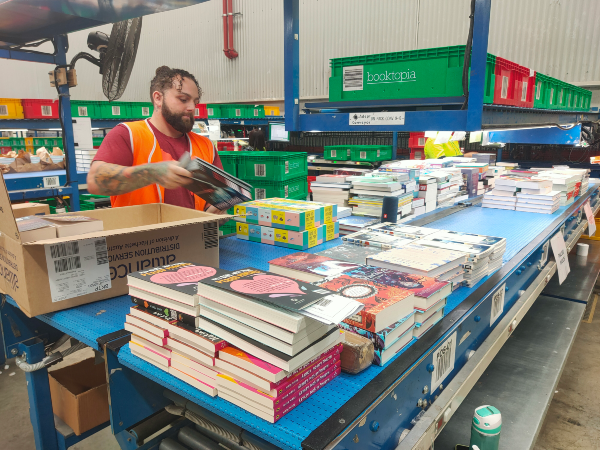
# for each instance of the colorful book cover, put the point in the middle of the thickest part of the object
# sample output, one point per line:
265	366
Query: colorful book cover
297	240
163	312
375	296
312	263
379	339
403	230
357	254
267	287
211	339
419	257
182	277
377	357
419	285
299	378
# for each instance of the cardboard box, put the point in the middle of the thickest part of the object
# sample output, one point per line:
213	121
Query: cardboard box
56	274
30	209
80	395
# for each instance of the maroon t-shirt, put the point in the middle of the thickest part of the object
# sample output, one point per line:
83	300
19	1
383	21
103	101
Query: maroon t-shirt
116	149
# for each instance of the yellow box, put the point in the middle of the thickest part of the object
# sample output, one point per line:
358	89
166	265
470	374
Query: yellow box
271	110
11	108
29	141
30	149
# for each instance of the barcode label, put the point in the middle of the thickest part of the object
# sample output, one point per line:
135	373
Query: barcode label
538	91
497	304
421	142
145	111
504	92
378	153
66	264
524	92
50	182
196	112
363	155
353	78
3	110
322	291
82	111
210	111
286	190
260	194
101	253
333	153
77	268
443	361
238	113
256	113
325	302
46	110
260	170
287	167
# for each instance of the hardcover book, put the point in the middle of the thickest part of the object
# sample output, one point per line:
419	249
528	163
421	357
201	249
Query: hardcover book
177	281
308	267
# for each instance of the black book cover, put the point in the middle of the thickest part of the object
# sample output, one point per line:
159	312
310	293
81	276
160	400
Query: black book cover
164	312
267	287
351	253
276	353
215	186
181	277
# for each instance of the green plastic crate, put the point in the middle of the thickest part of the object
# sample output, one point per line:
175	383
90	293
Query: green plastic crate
229	161
255	111
275	166
214	111
295	188
115	110
541	97
140	110
97	141
51	202
234	111
337	152
371	152
85	108
425	73
227	228
17	142
584	99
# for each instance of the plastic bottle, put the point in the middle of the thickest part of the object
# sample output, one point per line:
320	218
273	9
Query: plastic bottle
485	428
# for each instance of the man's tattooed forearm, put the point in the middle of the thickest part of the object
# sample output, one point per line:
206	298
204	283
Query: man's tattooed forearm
113	179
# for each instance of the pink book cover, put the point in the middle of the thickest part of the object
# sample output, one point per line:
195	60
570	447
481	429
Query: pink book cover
199	381
300	377
156	353
292	392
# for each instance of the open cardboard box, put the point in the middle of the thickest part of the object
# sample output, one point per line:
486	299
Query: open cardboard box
136	238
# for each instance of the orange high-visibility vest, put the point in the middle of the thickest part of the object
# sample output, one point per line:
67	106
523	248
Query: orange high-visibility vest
146	150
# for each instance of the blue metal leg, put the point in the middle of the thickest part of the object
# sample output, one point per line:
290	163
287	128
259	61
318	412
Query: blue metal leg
394	145
2	348
291	61
40	402
65	112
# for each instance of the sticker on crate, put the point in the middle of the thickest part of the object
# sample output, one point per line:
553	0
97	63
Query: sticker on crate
46	110
145	110
3	110
116	110
50	182
443	361
353	78
82	111
260	170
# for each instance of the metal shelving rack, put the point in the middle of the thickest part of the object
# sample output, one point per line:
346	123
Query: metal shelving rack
71	180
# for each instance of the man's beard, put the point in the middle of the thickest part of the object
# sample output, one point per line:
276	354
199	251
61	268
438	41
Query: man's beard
177	121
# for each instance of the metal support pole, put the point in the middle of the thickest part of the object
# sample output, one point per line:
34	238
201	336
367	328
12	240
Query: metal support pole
65	112
394	145
481	28
40	402
291	62
499	153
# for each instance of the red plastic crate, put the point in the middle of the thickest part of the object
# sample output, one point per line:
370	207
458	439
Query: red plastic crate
201	111
525	89
225	146
509	83
417	153
40	109
310	179
5	150
417	140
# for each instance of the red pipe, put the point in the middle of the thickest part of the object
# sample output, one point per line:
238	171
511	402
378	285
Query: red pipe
228	30
225	43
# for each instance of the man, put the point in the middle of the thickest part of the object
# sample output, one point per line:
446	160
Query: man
137	162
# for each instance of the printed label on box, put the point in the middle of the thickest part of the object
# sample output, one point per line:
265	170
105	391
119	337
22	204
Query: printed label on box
77	268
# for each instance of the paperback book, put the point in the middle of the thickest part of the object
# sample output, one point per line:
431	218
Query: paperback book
297	240
308	267
163	312
376	239
357	254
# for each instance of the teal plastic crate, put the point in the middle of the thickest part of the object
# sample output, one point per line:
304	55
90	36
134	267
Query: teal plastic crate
338	152
371	152
115	110
274	166
294	188
140	110
85	108
229	161
424	73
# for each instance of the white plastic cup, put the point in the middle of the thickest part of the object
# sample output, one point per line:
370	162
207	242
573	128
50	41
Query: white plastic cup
583	249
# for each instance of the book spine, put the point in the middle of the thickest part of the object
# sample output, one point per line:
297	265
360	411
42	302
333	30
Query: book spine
176	315
308	377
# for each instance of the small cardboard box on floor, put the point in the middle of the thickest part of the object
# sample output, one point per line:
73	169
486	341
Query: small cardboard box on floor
55	274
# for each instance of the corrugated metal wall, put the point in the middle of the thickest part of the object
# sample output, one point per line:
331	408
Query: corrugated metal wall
558	37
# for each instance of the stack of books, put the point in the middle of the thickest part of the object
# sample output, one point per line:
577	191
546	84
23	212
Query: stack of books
566	184
536	196
352	224
286	324
401	230
428	192
331	189
351	253
503	194
164	323
375	238
294	224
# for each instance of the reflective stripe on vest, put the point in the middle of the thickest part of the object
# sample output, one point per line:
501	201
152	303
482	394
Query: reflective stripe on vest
146	150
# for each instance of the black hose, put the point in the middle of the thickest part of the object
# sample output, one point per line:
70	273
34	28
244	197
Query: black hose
467	60
87	57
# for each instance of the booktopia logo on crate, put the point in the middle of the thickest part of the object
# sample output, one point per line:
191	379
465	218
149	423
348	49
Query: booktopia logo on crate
353	77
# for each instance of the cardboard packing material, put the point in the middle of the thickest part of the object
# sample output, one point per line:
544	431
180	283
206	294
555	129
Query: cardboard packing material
56	274
80	395
30	209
